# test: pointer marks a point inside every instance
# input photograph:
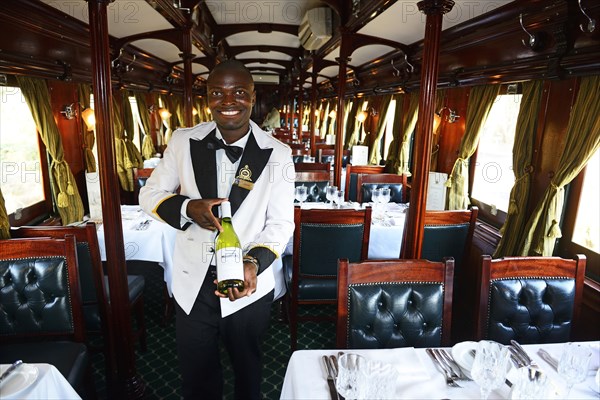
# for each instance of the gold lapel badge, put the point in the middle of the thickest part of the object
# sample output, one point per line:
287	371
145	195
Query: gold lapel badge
244	179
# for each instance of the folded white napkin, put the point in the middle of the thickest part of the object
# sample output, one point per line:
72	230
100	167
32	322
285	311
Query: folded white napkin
404	359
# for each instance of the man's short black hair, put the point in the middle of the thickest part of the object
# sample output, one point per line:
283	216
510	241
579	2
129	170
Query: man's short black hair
231	64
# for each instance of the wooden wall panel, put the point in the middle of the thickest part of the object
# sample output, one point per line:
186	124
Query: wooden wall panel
451	133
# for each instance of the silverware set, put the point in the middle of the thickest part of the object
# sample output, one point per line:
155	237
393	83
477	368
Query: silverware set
447	366
519	356
330	364
142	226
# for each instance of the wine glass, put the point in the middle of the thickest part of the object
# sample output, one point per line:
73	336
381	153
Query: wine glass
339	198
530	383
573	364
376	199
385	197
490	366
330	193
351	378
300	193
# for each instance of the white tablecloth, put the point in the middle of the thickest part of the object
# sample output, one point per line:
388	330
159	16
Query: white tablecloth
155	242
419	378
50	384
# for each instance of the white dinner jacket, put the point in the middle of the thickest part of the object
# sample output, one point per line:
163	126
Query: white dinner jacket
262	216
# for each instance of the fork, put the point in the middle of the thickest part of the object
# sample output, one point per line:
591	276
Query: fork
442	369
457	372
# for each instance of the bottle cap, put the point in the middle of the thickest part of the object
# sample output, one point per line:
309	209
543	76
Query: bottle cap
225	209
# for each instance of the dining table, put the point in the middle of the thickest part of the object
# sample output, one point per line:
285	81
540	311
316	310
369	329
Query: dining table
144	239
418	378
36	382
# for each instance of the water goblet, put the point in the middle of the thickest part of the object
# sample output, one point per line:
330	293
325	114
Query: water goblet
386	195
339	198
300	194
330	193
351	378
376	199
573	364
530	384
490	366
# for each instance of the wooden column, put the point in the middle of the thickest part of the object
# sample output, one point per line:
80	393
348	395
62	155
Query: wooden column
434	10
301	78
188	78
339	128
128	384
313	109
285	106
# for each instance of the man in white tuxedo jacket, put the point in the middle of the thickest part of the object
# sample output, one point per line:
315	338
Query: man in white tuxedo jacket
197	173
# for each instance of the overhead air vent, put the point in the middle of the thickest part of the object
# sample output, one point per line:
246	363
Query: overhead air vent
315	28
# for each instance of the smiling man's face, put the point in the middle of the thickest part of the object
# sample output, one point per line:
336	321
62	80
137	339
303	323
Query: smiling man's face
231	97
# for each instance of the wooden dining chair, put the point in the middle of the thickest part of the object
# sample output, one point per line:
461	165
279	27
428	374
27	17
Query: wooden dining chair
351	178
321	237
366	183
529	299
94	284
450	234
41	317
140	176
315	182
394	303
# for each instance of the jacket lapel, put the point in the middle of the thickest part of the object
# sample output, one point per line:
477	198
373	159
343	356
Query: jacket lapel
254	159
205	168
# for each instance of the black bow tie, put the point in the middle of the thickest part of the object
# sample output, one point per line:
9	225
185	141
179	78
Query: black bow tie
233	152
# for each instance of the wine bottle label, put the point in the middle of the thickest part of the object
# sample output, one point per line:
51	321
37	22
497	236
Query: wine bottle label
230	264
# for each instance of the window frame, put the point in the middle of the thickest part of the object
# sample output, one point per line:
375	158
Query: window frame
41	210
566	247
498	218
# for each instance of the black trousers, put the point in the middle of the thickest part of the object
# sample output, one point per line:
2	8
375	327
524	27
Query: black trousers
242	334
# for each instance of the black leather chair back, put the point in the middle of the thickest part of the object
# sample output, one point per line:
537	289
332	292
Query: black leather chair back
35	296
531	310
529	299
395	191
395	314
441	241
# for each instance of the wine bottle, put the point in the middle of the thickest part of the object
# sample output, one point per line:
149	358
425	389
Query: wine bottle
228	253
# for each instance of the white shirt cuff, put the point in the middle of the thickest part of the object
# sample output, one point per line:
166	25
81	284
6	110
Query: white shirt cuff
184	217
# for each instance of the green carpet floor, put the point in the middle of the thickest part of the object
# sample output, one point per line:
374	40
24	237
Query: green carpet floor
158	366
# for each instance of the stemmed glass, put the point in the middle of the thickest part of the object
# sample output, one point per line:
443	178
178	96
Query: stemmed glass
339	198
330	193
351	378
490	366
573	364
301	194
376	199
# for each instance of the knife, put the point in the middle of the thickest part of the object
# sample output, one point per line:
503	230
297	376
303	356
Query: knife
330	379
548	358
11	369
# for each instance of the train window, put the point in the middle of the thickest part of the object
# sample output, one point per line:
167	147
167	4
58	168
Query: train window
389	128
137	123
493	178
586	232
24	174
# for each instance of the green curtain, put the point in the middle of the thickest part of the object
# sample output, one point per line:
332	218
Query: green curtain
582	141
64	189
481	100
4	223
383	110
392	162
133	153
440	99
410	121
124	164
148	149
512	230
84	90
351	124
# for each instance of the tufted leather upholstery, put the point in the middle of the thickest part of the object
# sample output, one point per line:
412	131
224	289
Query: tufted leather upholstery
399	303
315	190
41	300
321	237
529	299
441	241
352	172
395	191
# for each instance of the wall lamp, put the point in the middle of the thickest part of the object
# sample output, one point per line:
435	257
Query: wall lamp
89	118
452	115
164	114
332	114
362	115
69	111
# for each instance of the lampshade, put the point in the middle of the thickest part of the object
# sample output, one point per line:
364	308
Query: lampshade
362	116
194	111
164	113
437	119
208	111
89	118
332	114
